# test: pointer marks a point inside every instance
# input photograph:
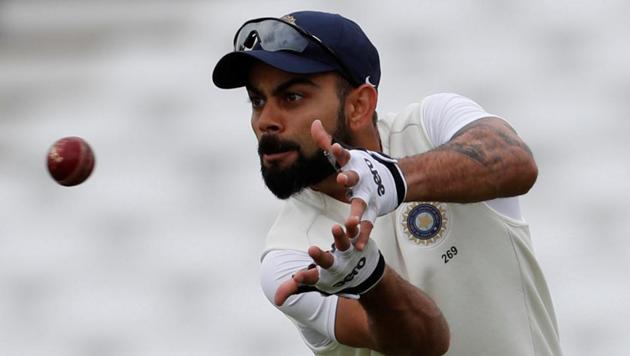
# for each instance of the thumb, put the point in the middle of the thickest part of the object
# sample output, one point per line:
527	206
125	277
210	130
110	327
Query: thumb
321	136
286	289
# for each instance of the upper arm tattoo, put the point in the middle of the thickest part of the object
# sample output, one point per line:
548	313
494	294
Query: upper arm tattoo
512	139
483	141
472	151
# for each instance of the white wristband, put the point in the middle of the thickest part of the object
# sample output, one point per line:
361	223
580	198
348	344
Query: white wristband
353	272
381	183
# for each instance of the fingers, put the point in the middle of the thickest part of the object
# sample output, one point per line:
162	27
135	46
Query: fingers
306	276
352	227
321	258
324	259
357	208
358	230
324	141
364	235
342	241
348	178
341	154
290	287
286	289
321	137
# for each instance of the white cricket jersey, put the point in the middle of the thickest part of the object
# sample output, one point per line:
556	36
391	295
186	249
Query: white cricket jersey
474	260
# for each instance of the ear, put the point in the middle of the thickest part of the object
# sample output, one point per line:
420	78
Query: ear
360	107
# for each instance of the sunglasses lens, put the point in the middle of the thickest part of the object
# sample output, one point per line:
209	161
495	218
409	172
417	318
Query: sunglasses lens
249	42
273	35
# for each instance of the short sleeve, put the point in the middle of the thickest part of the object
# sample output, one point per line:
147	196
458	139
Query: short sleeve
312	313
444	114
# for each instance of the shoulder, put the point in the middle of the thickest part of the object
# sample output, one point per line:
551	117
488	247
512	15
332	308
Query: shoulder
444	100
417	121
444	114
430	106
449	107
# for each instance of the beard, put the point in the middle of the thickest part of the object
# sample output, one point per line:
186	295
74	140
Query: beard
305	171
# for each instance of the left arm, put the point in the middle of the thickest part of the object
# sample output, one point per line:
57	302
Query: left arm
484	160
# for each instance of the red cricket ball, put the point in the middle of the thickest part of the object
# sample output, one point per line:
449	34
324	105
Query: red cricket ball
70	161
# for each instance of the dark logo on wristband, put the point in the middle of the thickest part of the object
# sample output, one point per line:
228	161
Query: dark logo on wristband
377	178
351	275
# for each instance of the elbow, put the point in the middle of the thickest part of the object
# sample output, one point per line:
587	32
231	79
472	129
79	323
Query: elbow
520	178
436	340
429	338
443	346
440	339
436	344
528	176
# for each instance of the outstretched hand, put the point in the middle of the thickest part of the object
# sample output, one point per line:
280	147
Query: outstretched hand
324	259
348	179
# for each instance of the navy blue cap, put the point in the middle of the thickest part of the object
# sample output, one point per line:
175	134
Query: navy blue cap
343	36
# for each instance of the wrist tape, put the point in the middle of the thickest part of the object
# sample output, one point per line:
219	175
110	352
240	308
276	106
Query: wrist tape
381	183
353	272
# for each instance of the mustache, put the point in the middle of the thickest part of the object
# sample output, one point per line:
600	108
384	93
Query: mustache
269	144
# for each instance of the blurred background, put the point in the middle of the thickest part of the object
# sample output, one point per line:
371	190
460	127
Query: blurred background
157	253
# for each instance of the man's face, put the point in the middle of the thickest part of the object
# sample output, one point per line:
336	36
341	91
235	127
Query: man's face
284	106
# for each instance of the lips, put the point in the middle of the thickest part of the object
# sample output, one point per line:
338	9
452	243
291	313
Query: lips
275	151
278	157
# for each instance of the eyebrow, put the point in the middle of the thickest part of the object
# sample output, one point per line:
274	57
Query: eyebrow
285	85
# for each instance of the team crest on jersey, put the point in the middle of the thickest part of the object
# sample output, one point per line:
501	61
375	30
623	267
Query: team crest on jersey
425	222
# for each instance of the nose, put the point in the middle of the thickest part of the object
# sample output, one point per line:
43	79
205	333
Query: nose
269	119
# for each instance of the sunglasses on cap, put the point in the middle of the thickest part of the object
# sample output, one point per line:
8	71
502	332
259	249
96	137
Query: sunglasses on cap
274	35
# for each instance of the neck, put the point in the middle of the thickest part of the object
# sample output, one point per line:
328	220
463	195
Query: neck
368	138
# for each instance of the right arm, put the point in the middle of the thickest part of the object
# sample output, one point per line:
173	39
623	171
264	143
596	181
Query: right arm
393	317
